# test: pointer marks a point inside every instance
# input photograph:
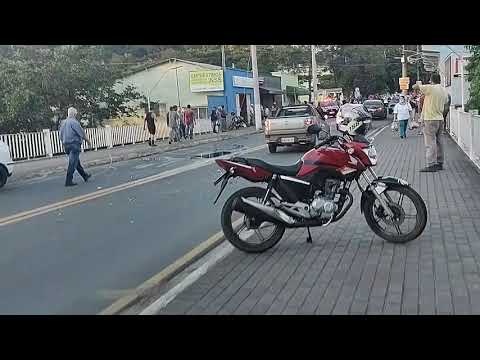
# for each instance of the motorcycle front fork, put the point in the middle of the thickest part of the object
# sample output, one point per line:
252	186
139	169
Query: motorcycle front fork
378	196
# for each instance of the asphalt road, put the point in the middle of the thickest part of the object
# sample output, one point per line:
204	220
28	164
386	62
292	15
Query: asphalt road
80	259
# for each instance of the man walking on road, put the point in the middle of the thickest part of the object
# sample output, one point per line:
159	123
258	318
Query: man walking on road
72	135
433	108
189	122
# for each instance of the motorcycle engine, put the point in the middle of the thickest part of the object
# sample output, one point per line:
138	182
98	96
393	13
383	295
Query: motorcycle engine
323	204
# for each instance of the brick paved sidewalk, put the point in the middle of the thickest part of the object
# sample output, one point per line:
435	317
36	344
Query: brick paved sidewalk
47	166
350	270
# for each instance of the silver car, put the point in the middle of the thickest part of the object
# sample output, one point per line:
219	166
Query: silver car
290	125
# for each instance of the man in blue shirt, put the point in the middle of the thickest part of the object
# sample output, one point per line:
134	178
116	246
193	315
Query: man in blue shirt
72	136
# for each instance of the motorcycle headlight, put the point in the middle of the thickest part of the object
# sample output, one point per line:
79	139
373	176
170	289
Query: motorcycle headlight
371	152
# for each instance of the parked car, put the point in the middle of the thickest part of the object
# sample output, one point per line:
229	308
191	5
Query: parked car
330	108
6	163
376	109
391	105
290	125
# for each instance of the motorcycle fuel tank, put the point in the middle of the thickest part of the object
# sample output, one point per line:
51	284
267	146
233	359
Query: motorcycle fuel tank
328	158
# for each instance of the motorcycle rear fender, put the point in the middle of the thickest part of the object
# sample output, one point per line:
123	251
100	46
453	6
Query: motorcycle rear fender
384	183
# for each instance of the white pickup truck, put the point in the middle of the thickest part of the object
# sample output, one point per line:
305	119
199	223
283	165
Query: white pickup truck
289	126
6	163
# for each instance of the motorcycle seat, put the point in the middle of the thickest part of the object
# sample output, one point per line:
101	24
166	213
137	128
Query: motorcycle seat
287	170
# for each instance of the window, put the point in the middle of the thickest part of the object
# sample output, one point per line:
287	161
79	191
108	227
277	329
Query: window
295	111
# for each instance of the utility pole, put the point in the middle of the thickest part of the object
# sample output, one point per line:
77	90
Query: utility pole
314	75
223	57
418	63
462	83
178	90
404	67
256	89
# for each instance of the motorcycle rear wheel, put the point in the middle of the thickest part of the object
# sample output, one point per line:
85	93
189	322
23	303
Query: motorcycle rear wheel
374	214
239	237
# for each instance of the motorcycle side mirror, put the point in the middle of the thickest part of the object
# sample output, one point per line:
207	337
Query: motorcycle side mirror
314	129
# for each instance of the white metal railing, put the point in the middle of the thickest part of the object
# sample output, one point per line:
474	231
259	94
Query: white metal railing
25	145
464	128
46	143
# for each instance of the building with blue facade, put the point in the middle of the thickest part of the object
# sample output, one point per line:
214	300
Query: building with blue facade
237	95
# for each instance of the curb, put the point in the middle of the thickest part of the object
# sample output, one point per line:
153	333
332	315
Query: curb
134	155
146	289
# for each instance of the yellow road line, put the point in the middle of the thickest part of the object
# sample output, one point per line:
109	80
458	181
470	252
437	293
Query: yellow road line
8	220
167	273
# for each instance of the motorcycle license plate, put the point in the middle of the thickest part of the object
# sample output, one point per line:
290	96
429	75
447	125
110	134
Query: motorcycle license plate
288	140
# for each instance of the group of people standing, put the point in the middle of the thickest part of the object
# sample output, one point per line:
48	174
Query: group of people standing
181	122
218	117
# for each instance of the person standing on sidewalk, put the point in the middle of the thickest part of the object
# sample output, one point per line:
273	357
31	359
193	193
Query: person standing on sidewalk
446	110
223	119
433	107
213	119
189	117
173	122
402	112
149	122
72	136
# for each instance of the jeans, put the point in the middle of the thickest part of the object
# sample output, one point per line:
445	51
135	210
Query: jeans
214	125
189	131
73	152
434	150
403	128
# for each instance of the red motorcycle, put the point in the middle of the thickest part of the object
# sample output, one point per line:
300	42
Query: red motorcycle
316	191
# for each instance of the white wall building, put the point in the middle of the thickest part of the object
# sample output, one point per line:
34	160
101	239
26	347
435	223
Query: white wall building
449	67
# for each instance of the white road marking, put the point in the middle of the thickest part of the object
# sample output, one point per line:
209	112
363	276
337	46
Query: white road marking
379	132
144	166
216	255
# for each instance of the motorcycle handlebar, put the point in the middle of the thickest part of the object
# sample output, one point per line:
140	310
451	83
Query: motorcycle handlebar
329	140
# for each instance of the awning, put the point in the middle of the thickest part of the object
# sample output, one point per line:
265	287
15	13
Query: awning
270	90
293	90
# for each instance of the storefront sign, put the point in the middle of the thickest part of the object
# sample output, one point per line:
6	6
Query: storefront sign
206	80
240	81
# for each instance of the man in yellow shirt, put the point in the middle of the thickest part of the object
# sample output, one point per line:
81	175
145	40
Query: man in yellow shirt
432	113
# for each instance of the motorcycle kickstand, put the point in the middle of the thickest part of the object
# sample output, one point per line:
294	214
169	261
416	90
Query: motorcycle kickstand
309	238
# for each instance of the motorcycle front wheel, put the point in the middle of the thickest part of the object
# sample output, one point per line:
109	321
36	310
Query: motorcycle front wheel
409	210
255	234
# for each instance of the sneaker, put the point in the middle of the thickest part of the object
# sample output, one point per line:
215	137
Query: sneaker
87	177
432	168
439	166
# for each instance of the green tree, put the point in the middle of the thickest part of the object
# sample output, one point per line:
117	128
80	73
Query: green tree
38	84
473	77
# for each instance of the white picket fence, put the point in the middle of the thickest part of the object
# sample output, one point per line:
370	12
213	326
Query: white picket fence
26	146
464	128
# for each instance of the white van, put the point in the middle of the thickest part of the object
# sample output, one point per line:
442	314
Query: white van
6	163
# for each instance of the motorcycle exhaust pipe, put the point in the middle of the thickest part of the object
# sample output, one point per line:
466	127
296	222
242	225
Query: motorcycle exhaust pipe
271	211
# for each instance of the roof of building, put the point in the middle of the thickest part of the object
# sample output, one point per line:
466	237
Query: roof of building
171	60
